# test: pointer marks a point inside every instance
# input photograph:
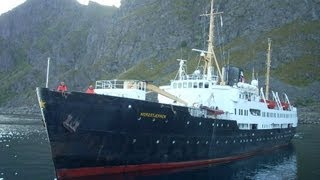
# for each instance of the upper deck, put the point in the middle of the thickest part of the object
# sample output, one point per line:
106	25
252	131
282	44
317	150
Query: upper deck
122	88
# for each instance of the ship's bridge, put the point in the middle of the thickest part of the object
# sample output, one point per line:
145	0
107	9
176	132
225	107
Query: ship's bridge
199	92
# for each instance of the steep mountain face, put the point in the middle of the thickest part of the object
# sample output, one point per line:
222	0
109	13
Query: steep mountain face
61	29
142	39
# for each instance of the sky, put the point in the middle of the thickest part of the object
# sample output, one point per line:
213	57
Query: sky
6	5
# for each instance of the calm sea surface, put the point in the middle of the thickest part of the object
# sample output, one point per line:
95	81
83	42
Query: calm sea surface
25	154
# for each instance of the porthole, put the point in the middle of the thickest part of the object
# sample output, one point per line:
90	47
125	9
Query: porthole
129	106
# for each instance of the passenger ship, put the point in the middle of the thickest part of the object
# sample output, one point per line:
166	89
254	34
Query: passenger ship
200	118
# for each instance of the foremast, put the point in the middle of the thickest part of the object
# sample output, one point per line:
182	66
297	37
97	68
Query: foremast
210	52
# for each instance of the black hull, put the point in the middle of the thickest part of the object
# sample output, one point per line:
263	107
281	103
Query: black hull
90	131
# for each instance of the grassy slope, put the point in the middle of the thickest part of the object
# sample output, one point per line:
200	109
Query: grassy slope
305	69
161	72
300	71
295	35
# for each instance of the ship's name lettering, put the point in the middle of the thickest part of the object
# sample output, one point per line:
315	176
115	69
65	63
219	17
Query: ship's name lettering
153	115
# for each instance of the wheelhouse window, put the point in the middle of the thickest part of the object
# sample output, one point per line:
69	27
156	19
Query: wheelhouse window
195	85
184	84
174	85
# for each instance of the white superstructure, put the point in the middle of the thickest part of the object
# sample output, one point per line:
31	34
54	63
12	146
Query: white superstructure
242	102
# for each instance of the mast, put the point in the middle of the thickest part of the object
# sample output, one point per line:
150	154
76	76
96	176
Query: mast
211	54
268	68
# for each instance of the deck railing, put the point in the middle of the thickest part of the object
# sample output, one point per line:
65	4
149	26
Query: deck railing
120	84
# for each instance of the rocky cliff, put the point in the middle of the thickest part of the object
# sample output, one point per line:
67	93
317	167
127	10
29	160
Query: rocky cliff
142	39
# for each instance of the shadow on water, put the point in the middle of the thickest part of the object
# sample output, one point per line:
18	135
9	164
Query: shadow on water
277	164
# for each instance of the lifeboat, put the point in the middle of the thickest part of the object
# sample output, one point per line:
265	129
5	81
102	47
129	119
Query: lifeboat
271	104
212	111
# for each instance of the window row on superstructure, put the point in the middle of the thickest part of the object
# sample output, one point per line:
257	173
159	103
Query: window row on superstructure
257	112
277	115
264	126
190	84
248	96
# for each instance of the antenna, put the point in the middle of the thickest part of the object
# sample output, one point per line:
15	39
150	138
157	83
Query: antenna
253	78
181	69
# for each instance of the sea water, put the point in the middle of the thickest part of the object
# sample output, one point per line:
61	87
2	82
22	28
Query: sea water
25	154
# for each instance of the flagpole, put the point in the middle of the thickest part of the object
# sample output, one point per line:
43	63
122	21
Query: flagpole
48	67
